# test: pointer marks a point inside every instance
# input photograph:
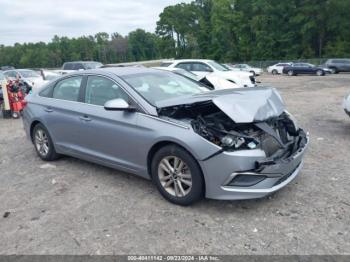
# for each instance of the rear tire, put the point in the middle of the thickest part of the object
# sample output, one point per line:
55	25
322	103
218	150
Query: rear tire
274	72
43	143
334	70
177	175
290	73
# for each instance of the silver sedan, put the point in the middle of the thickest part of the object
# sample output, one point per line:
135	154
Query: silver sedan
190	141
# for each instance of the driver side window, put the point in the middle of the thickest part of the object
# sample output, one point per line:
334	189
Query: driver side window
99	90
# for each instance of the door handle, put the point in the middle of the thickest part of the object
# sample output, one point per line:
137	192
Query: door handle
85	118
48	109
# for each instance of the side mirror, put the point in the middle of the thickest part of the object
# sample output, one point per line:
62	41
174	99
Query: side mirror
118	105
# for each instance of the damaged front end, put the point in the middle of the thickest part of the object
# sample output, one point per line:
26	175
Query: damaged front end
256	157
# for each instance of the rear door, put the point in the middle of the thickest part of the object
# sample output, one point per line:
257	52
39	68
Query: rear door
110	137
61	112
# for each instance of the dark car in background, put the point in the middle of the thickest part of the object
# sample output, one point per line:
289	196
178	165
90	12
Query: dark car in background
338	65
73	66
304	68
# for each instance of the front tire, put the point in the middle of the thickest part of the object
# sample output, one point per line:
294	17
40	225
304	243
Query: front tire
290	73
43	143
319	72
177	175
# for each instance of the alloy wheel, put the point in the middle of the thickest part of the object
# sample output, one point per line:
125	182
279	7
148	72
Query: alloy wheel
319	72
175	176
41	142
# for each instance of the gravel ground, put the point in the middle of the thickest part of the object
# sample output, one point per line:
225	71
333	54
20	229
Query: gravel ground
74	207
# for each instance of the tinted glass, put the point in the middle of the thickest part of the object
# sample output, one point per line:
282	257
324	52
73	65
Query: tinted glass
185	66
155	87
78	66
68	66
200	67
68	89
99	90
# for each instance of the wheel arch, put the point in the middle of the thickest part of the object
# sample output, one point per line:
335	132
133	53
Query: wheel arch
32	126
161	144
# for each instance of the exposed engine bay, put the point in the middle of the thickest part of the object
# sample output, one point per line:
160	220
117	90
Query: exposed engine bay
273	135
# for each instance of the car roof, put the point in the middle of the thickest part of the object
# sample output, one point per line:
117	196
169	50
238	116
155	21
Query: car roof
187	60
118	71
82	62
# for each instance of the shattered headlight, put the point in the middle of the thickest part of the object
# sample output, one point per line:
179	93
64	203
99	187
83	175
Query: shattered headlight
234	142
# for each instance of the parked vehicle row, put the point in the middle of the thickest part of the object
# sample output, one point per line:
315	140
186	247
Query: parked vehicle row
203	67
244	67
305	68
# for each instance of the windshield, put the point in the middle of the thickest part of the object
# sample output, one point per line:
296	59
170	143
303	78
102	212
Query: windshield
187	74
218	66
28	73
158	86
92	65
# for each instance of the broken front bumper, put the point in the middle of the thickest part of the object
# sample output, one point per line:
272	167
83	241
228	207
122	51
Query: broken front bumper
249	174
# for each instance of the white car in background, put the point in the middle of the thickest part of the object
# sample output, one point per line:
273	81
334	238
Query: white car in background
32	78
277	68
211	80
247	68
204	67
346	105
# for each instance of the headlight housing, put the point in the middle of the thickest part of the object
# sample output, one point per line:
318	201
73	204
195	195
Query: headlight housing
293	119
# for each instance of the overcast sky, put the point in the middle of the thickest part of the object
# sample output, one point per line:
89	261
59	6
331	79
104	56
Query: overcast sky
39	20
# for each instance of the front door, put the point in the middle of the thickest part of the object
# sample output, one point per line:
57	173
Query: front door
110	137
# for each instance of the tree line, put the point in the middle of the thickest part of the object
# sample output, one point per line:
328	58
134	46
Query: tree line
224	30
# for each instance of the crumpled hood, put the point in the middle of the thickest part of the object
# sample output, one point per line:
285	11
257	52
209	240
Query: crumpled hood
242	105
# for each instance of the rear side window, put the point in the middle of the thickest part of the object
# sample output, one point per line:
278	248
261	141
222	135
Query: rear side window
78	66
185	66
68	89
199	67
68	66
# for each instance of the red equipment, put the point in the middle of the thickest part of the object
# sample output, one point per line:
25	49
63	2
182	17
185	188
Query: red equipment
16	94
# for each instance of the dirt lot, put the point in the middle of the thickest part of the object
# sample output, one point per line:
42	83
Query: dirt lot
74	207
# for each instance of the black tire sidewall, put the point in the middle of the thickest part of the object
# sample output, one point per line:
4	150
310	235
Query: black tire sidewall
274	72
197	190
51	155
